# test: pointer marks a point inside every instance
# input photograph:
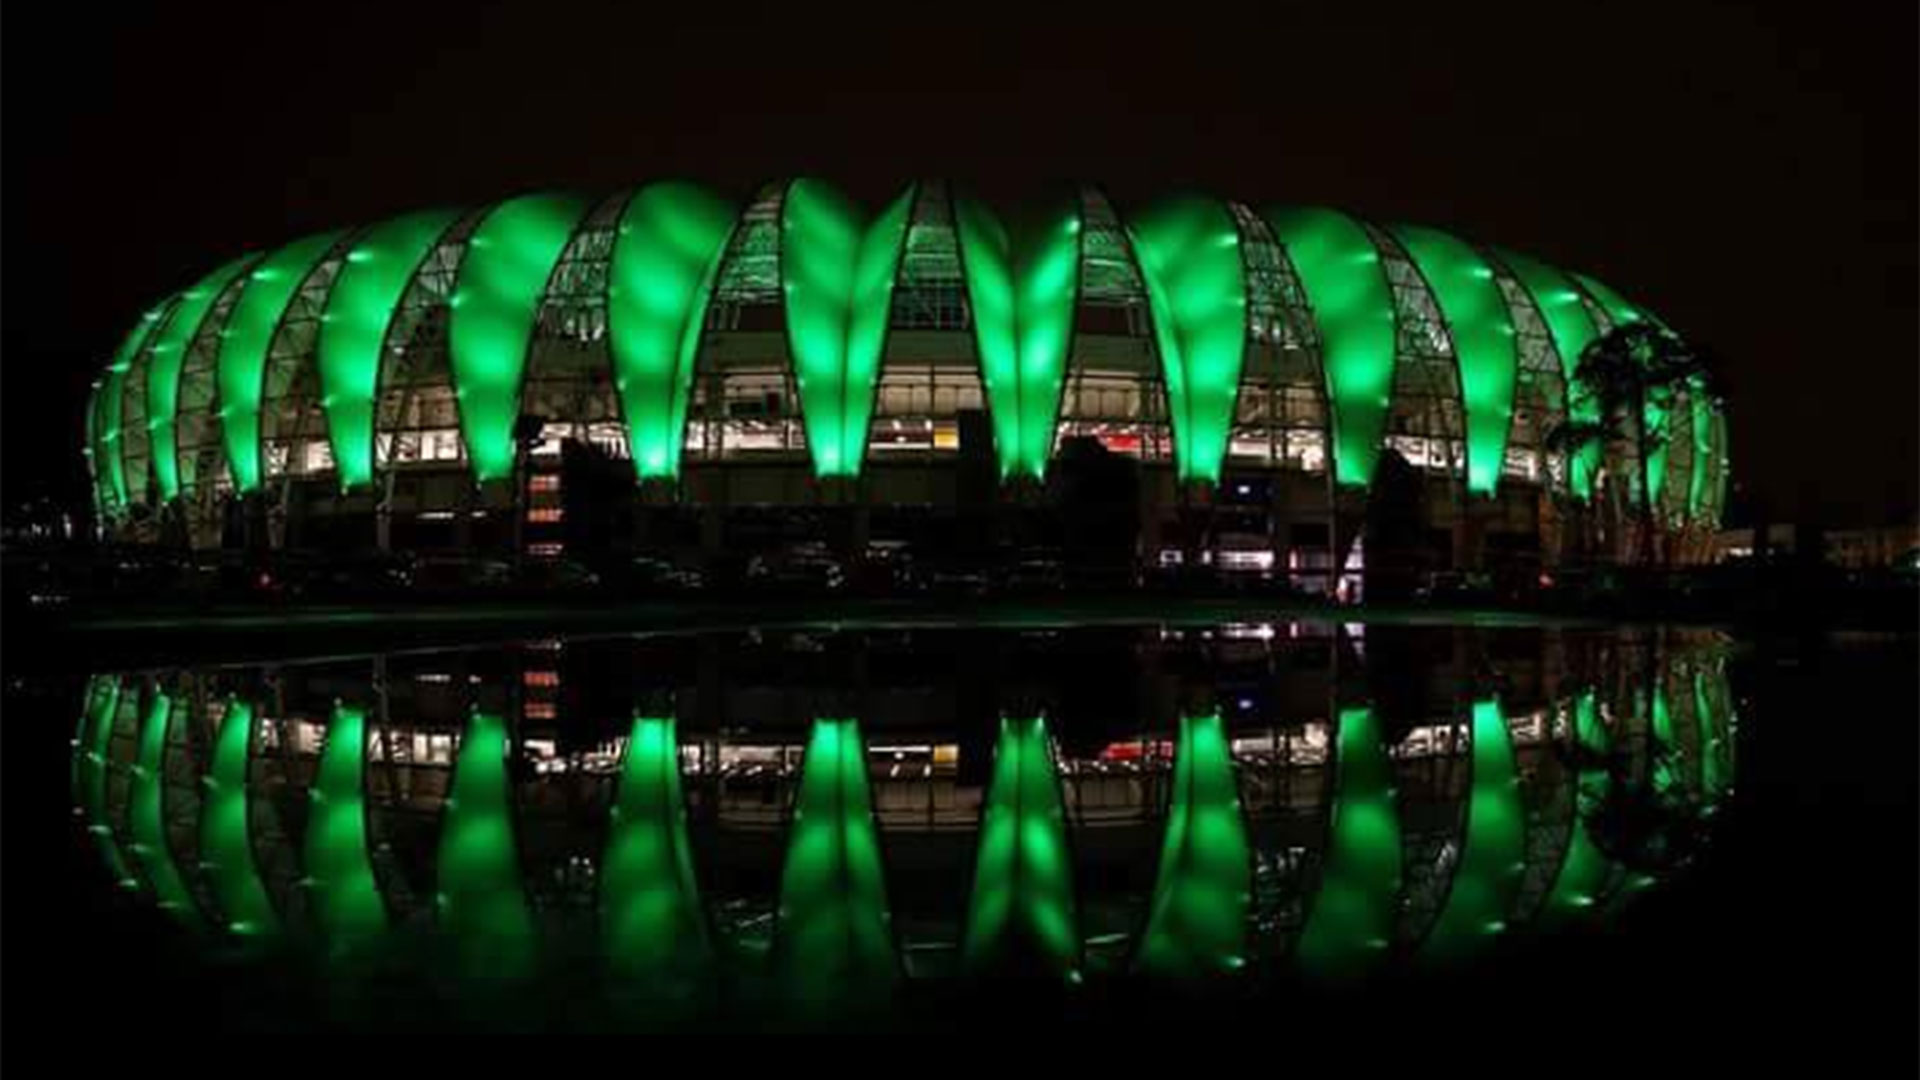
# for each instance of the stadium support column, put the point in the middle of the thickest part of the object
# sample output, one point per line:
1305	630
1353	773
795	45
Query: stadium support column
383	515
1470	533
713	531
849	517
1190	261
654	503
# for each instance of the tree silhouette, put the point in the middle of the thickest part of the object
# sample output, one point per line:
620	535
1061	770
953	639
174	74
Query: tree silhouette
1622	372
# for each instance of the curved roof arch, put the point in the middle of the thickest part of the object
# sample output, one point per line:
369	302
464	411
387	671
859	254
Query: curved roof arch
1406	329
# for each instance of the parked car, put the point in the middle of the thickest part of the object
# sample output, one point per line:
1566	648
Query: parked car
795	573
651	575
545	576
1037	575
445	574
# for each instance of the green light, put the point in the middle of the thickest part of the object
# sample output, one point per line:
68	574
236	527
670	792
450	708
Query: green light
169	350
1353	309
837	269
1483	339
353	330
653	926
1617	307
110	450
243	348
667	251
1493	851
1197	923
346	898
834	935
1702	412
103	703
151	847
1196	286
226	847
1717	487
1622	312
510	258
483	904
1572	331
1023	277
1352	918
1662	716
1657	409
1022	906
97	483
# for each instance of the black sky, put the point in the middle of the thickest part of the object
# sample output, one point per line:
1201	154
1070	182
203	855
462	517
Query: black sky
1749	175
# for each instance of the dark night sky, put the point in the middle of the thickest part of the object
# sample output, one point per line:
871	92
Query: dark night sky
1751	177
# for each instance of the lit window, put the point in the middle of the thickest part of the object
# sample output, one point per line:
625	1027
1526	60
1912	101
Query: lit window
316	456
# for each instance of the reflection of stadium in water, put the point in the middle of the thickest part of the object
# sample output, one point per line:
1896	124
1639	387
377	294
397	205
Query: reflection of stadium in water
837	811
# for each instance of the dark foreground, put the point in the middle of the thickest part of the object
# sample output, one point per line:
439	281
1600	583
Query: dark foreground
1791	937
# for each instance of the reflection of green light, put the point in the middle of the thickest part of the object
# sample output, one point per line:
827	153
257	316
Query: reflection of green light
1353	309
665	257
1583	874
1572	330
1483	337
1022	904
1494	848
163	371
243	348
90	771
838	270
1189	256
1712	785
1584	869
353	329
1666	749
1198	920
1022	279
225	845
835	932
483	904
510	258
108	450
151	848
1588	729
1353	911
652	921
346	899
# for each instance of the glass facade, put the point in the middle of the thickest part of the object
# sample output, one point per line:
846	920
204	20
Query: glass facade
668	329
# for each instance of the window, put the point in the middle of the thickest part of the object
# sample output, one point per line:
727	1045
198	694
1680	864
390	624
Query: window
316	457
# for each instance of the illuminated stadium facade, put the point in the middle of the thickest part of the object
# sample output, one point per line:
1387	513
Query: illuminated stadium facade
663	370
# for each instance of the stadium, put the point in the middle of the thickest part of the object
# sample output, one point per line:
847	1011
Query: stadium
1279	391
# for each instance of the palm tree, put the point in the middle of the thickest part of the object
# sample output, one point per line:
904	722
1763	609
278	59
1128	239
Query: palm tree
1621	372
1569	439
